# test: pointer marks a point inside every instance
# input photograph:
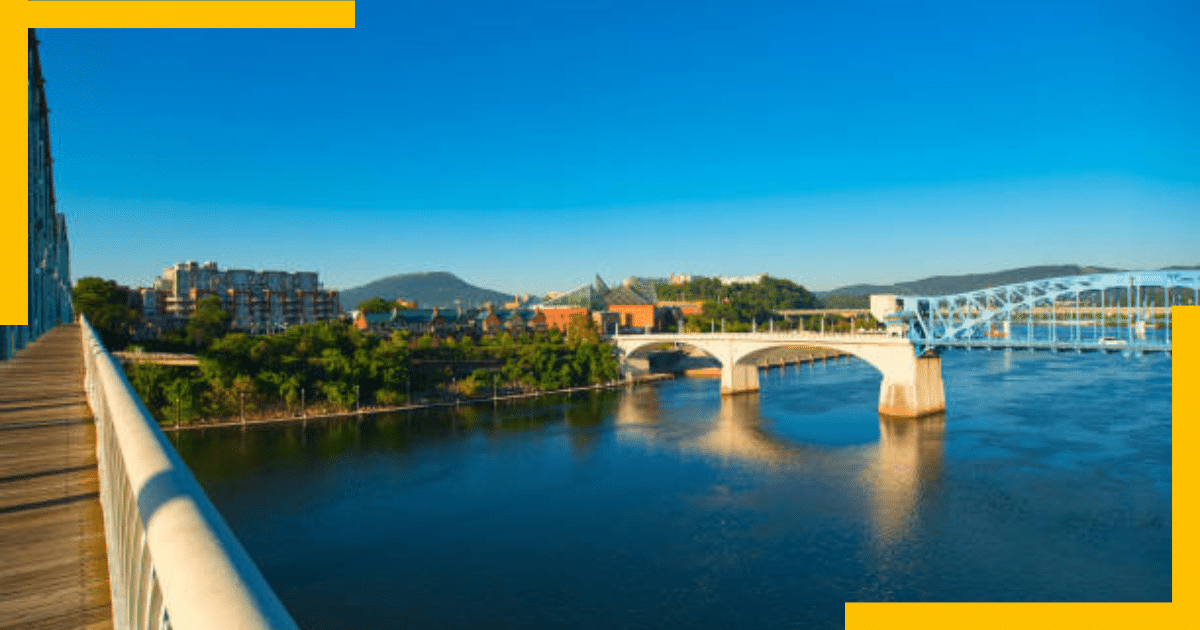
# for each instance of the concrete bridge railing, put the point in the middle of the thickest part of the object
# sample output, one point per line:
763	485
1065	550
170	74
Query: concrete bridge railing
172	560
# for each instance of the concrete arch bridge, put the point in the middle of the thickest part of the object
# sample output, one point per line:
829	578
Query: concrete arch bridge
911	386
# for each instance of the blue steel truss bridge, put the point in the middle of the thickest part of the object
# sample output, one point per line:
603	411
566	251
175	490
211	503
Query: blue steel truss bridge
1127	311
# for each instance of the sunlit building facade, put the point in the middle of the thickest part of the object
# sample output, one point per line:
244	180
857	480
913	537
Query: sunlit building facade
259	301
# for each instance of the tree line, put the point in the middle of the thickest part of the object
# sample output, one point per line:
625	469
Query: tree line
332	366
741	307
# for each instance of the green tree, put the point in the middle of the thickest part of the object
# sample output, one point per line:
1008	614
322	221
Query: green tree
106	306
181	400
376	305
149	380
582	329
469	386
208	323
743	303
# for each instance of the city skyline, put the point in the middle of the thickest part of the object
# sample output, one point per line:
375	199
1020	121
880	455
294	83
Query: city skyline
526	150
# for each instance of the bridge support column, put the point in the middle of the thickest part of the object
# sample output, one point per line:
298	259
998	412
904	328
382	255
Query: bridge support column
738	379
912	386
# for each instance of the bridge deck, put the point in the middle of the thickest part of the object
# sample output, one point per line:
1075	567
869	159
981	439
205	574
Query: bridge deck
1120	345
53	573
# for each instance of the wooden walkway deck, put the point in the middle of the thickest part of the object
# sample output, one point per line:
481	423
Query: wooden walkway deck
53	571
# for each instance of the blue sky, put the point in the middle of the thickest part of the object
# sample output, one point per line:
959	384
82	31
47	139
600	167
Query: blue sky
527	146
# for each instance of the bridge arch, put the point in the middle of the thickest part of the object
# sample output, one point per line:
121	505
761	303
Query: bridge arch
911	386
875	360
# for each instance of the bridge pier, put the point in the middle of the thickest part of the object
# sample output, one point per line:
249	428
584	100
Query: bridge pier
912	386
738	379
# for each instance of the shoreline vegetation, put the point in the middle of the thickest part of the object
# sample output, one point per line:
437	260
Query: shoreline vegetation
318	412
325	414
331	367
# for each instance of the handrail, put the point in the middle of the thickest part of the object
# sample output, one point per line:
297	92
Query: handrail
173	561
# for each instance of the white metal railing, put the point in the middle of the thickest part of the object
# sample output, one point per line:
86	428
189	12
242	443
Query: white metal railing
172	560
779	335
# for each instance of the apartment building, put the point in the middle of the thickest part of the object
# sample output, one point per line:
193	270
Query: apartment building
258	300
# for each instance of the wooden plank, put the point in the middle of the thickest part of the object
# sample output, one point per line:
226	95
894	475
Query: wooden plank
54	573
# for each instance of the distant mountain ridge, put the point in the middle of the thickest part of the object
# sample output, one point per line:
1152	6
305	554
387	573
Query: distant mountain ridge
429	289
948	285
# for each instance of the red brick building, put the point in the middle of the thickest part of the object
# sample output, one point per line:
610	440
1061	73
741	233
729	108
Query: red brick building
560	317
635	315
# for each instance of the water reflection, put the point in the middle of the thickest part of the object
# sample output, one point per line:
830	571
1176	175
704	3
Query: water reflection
896	473
907	466
737	434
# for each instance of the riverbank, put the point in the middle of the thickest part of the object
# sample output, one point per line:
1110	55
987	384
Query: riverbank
363	411
789	356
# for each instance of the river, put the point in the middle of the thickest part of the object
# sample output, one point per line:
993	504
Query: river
666	505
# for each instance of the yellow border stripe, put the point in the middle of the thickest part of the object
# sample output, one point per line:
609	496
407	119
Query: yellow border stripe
14	176
191	14
1182	612
1185	463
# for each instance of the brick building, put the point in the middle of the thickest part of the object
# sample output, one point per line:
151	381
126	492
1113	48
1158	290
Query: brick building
560	317
632	305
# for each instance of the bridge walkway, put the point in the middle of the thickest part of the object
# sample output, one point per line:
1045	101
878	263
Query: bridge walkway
53	568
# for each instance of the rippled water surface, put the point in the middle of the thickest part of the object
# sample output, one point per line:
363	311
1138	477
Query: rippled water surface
1048	479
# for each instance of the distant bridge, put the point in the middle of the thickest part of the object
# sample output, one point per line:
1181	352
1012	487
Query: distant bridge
161	358
844	312
1118	312
1126	311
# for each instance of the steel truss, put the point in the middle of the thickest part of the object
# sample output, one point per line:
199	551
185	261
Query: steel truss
1103	312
